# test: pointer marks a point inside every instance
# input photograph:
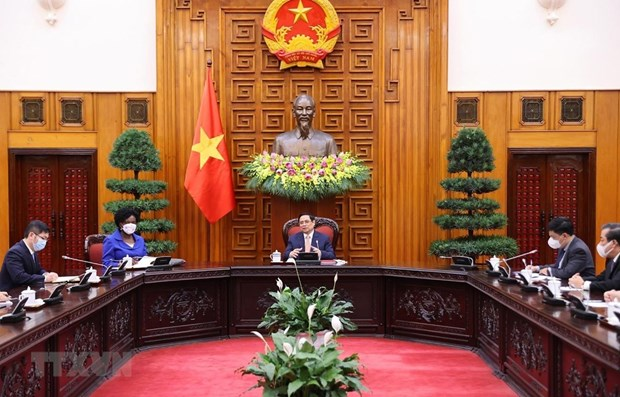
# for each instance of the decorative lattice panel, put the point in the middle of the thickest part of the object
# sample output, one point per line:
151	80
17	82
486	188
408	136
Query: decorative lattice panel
40	205
565	193
529	211
74	217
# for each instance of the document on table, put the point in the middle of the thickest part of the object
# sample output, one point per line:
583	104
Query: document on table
595	303
143	263
66	279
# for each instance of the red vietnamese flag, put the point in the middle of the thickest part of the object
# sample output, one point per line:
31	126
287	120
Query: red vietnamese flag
208	178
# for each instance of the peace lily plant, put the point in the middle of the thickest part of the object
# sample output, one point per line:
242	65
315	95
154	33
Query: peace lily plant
305	360
297	367
300	312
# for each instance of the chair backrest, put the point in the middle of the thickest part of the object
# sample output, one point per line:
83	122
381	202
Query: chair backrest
326	226
93	247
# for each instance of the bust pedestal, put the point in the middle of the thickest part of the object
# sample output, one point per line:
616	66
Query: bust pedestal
283	209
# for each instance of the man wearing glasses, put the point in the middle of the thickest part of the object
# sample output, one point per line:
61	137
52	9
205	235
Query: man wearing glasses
21	265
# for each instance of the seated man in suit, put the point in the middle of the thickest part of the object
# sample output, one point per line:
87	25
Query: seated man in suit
21	265
609	248
309	240
574	255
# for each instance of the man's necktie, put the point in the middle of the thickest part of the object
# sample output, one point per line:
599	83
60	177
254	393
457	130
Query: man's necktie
558	261
308	243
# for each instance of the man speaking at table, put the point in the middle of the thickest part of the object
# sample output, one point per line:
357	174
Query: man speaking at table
309	240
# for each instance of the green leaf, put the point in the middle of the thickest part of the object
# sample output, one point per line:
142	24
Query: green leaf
294	386
135	186
134	150
479	245
270	371
479	221
141	205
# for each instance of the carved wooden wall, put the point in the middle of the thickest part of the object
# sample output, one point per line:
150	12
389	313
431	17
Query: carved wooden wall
257	103
379	56
383	95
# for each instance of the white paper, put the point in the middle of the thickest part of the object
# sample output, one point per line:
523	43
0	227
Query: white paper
595	304
66	279
143	263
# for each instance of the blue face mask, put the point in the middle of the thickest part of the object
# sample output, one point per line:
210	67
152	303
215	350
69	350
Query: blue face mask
39	245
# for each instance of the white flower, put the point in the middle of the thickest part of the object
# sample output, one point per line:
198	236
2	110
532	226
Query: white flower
280	284
311	311
336	324
286	330
327	337
335	280
267	348
288	349
301	342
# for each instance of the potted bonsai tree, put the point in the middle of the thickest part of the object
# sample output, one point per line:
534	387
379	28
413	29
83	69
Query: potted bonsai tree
134	151
471	154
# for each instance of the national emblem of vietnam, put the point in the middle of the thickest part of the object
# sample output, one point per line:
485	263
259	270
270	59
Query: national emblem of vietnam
301	32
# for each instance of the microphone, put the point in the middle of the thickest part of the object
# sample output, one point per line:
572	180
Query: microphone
109	270
81	260
520	255
461	262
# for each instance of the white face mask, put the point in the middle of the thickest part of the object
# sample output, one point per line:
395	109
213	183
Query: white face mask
39	245
553	243
129	228
602	249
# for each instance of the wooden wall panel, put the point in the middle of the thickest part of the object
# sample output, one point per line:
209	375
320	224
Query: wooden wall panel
500	117
5	122
383	94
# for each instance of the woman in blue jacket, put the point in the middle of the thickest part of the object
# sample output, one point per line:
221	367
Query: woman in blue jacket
124	241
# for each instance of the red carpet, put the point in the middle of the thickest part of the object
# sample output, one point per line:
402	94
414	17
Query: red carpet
391	368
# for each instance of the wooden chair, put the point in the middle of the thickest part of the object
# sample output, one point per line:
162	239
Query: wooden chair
93	247
326	226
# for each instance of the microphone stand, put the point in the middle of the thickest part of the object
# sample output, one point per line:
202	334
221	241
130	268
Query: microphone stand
108	270
507	278
461	262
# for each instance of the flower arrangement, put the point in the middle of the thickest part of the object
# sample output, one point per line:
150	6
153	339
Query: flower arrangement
298	368
305	178
294	309
308	364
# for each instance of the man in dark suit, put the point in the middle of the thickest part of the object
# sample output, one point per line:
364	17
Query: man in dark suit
573	256
21	265
309	240
609	248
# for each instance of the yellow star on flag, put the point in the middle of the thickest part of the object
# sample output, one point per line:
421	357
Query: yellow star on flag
300	12
207	147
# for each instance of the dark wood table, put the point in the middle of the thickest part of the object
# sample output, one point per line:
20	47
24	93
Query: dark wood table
64	350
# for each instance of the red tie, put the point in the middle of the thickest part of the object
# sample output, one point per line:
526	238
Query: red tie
308	243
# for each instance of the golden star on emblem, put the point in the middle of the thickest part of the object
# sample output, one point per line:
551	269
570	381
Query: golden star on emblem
300	12
207	147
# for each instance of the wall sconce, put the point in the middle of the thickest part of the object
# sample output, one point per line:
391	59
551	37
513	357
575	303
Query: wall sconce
51	6
552	6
